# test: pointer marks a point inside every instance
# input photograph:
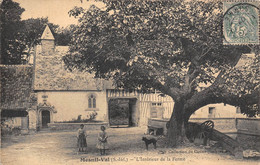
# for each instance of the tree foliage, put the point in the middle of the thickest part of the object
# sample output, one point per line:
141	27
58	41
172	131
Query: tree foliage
244	80
173	46
11	46
19	36
34	27
63	36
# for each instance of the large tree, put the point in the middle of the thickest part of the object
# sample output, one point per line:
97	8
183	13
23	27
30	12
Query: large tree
32	29
11	47
63	35
30	33
19	36
171	46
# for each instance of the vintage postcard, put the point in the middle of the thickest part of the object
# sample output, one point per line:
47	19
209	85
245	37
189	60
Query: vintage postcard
129	82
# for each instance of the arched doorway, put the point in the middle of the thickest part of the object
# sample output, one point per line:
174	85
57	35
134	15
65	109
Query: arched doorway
45	113
45	118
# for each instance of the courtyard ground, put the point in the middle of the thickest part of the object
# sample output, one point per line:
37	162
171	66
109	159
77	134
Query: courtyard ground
126	147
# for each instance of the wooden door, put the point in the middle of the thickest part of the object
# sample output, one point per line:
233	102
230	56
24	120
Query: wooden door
45	118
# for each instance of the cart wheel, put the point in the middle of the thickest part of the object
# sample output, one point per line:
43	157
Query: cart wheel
208	125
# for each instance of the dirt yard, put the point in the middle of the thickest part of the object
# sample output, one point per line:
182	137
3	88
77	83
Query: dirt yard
125	144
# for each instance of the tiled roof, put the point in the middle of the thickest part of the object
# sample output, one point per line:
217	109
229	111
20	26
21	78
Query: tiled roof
50	73
16	86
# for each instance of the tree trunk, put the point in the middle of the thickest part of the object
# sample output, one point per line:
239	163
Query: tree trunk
176	126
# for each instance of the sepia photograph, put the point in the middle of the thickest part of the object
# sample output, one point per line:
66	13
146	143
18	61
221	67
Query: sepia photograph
130	82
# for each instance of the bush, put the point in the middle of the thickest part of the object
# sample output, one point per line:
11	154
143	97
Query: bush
91	118
7	130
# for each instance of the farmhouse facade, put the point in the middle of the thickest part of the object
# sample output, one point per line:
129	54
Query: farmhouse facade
50	94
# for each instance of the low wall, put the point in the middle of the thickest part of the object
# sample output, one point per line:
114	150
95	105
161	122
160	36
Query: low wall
75	126
248	126
224	125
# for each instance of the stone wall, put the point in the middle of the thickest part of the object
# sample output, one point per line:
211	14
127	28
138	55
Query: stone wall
248	126
224	125
75	126
220	110
70	104
32	119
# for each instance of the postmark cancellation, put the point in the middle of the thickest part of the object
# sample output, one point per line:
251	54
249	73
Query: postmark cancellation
241	22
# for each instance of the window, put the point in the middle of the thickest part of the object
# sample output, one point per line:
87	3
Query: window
238	110
156	104
92	101
211	110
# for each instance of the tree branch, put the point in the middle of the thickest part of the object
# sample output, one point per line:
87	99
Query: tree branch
211	96
215	94
167	89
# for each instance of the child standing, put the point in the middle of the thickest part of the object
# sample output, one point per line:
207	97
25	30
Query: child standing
82	143
102	141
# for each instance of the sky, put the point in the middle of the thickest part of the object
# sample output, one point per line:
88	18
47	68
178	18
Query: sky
55	10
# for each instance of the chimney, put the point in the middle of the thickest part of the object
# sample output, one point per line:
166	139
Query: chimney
47	41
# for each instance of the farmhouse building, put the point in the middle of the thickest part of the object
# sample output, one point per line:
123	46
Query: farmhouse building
46	93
